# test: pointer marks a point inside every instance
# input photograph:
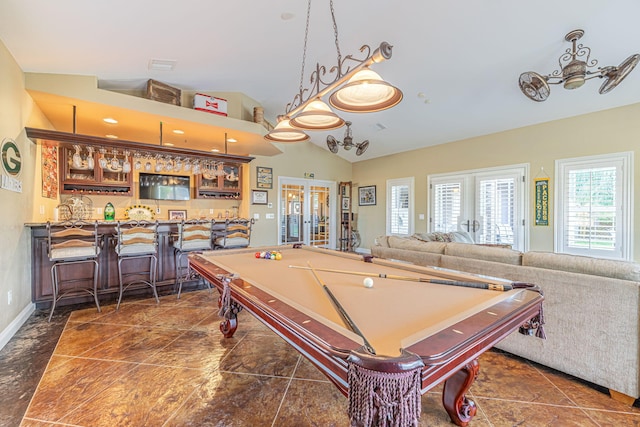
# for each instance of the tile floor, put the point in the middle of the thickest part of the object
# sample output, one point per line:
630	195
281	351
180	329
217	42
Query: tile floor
168	365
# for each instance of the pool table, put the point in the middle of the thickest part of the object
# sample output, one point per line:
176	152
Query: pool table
410	333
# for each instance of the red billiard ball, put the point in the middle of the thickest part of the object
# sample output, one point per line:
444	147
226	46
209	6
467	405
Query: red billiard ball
257	254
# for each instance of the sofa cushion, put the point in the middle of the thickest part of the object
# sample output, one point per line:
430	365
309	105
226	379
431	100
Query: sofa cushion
381	241
437	236
624	270
486	253
411	244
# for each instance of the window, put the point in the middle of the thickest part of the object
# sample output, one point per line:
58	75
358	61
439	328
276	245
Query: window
490	204
400	206
593	200
447	205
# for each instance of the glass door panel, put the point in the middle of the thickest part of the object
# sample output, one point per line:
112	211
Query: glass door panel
291	213
306	213
319	216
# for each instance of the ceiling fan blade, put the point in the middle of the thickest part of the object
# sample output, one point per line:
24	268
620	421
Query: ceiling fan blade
617	74
534	86
332	144
362	147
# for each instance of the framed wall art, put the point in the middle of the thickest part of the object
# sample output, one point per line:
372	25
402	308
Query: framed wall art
178	215
367	195
259	197
264	177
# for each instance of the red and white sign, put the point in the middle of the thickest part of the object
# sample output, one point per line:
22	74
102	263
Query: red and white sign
210	104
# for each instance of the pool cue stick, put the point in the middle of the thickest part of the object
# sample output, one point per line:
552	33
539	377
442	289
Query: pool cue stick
341	311
489	286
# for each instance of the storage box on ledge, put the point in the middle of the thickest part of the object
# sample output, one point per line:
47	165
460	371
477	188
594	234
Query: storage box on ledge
210	104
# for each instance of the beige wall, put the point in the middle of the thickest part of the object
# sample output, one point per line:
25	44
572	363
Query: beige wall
15	275
296	160
609	131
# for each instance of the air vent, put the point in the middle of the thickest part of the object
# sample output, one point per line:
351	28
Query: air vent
161	65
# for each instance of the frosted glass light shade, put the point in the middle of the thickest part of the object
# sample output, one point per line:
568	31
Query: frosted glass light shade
365	92
284	132
317	116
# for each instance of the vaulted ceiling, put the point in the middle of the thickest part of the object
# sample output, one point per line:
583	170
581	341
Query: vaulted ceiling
456	62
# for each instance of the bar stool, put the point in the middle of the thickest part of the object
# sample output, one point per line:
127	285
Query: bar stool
73	243
237	234
193	235
137	240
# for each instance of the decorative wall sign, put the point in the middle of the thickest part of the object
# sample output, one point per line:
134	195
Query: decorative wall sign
542	201
367	195
11	161
264	177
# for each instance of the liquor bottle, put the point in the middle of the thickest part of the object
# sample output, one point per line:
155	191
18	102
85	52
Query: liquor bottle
109	212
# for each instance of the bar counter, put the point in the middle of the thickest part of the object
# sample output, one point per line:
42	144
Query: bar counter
108	287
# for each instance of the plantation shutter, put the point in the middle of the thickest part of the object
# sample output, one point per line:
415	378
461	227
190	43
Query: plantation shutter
447	203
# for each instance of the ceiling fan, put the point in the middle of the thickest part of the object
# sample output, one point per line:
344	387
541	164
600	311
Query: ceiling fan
348	144
574	71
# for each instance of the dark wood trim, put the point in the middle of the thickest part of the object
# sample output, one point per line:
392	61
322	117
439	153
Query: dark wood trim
96	141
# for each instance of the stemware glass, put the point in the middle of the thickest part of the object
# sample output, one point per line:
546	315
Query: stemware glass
126	165
102	162
77	159
137	163
177	166
159	163
91	163
115	163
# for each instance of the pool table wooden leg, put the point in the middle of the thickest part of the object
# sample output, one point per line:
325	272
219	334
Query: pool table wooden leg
460	409
230	323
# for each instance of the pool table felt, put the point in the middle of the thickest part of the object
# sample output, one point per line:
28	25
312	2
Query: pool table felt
393	314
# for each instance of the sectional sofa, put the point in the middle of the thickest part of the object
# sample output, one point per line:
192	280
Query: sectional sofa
591	305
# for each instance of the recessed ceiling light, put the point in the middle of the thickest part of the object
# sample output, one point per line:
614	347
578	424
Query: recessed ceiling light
215	150
112	136
110	120
232	140
178	131
162	64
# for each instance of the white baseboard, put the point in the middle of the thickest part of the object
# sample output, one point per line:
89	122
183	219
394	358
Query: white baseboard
14	326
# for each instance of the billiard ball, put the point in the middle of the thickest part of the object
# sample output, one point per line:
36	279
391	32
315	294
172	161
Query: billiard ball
257	254
368	282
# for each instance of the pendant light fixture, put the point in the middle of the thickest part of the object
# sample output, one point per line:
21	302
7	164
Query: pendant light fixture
363	90
317	116
285	133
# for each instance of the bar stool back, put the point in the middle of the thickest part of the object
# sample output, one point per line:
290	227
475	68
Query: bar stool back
137	240
193	235
73	243
237	234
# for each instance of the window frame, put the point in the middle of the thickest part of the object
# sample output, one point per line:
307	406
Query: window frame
623	162
397	182
469	180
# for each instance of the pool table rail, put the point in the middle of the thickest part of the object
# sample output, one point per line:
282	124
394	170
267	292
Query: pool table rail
449	355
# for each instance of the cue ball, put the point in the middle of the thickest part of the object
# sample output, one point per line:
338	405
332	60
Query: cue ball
368	282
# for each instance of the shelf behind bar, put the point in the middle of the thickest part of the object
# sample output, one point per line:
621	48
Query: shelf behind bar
97	141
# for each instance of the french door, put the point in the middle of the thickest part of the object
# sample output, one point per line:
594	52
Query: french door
306	213
489	204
